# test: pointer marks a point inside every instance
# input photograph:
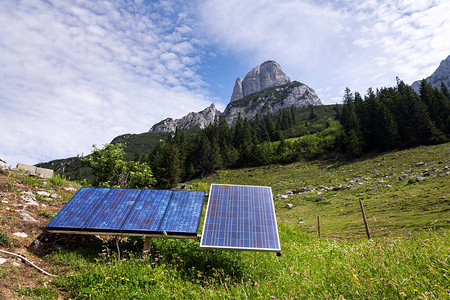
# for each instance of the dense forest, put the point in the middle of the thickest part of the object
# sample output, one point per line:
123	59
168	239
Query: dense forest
382	120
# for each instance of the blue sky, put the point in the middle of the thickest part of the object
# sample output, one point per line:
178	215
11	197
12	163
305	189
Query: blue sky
78	73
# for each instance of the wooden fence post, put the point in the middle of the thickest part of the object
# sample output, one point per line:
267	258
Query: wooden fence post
318	225
365	219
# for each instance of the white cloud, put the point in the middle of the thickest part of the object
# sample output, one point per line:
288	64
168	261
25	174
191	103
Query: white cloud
333	44
77	73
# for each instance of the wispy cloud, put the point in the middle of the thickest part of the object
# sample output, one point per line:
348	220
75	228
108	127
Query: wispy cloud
333	44
78	73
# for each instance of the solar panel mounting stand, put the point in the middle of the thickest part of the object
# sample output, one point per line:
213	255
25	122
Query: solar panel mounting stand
147	245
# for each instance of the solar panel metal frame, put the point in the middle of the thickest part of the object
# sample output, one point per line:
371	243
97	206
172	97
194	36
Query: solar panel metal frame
241	248
84	229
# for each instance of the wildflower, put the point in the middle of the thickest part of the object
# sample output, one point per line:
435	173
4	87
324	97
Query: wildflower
415	290
156	259
107	278
272	297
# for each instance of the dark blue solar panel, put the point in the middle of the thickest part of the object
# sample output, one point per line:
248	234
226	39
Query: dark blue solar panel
132	211
148	212
240	217
78	210
183	213
113	210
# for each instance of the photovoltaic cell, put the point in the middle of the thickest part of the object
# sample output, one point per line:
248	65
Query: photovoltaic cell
148	211
113	210
130	211
183	213
77	211
240	217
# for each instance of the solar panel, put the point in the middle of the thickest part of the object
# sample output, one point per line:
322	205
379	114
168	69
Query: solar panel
113	210
241	218
148	212
183	213
77	211
118	211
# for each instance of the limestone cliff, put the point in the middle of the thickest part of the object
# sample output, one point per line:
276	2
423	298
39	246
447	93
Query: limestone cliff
200	119
266	75
442	74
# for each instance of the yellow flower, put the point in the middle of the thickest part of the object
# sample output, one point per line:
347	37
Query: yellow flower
108	278
416	290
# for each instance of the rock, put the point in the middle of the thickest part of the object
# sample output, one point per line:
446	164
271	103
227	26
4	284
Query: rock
3	164
29	200
238	93
20	234
420	178
25	216
402	177
271	100
266	75
33	170
201	119
2	261
70	189
290	205
442	74
419	164
43	193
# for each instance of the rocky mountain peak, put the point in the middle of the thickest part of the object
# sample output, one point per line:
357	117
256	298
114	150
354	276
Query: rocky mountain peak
442	74
266	75
200	119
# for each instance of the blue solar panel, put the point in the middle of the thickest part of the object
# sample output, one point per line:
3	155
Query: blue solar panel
130	211
113	210
77	211
148	212
240	217
183	213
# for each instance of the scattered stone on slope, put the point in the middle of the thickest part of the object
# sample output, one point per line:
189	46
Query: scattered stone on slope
20	234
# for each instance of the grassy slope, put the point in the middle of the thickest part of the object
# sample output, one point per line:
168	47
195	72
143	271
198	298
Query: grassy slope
408	257
392	205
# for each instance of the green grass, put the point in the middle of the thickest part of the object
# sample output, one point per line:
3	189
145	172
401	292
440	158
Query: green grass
408	257
410	266
4	239
392	205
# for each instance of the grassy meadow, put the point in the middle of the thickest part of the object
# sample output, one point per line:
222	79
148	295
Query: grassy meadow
408	257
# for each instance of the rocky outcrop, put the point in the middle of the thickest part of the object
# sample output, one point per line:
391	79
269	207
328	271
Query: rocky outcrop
268	74
237	91
271	100
442	74
265	89
194	119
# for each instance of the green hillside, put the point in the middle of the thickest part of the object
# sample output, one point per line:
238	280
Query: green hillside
407	258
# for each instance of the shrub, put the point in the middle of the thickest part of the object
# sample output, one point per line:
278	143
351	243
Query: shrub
4	239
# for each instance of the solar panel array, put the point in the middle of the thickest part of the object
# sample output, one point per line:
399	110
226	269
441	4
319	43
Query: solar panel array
241	218
131	211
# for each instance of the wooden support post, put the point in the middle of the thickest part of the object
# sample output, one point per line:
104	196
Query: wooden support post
147	245
318	225
365	220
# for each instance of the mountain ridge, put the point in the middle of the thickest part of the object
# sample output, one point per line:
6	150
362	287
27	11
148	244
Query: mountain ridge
441	74
269	87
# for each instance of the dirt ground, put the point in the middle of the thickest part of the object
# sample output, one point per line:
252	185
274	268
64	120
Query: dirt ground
27	204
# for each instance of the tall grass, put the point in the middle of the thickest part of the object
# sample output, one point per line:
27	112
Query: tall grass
411	267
